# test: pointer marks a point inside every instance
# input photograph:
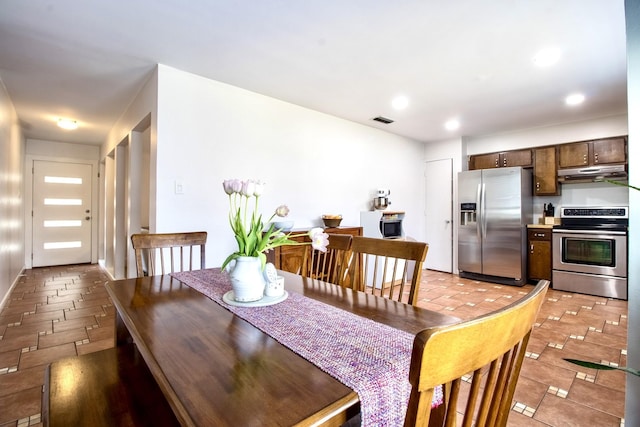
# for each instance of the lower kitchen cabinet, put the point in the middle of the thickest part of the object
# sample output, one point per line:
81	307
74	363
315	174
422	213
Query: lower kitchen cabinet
539	254
289	258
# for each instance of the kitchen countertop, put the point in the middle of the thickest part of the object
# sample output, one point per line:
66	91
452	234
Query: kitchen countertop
539	225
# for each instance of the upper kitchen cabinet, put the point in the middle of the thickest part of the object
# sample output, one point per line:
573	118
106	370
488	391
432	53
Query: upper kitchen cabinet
502	159
611	150
545	172
591	153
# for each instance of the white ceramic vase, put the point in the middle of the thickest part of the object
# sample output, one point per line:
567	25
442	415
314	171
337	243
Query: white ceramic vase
247	279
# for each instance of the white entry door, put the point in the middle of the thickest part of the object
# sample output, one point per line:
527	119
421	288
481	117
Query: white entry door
61	213
438	213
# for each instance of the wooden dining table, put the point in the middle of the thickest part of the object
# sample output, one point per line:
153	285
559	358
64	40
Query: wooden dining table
214	368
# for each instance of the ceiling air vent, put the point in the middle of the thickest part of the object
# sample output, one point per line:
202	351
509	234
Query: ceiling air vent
384	120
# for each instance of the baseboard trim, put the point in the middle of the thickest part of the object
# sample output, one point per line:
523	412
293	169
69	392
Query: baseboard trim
5	298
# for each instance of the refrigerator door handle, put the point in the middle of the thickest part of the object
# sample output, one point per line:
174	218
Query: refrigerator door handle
483	216
479	211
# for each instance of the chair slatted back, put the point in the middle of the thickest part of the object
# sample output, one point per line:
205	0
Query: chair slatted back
487	350
328	266
387	267
173	251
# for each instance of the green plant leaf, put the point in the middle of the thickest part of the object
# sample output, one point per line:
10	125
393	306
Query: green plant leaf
229	259
623	184
263	259
601	367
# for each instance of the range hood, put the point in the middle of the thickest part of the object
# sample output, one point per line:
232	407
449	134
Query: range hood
592	173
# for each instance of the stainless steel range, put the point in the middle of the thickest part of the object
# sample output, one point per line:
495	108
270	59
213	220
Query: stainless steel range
590	251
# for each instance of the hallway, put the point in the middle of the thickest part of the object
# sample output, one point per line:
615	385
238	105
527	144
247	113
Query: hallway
53	312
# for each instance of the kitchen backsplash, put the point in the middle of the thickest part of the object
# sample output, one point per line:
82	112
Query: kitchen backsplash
583	194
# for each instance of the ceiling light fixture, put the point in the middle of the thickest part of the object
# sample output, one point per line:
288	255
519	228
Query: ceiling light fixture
452	124
400	102
547	57
67	124
574	99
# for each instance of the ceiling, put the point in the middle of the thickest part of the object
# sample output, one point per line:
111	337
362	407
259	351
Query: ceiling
470	59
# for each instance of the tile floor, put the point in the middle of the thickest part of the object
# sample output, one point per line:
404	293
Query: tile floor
551	391
59	311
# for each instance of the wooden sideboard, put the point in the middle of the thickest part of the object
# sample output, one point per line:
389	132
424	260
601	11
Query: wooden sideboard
289	258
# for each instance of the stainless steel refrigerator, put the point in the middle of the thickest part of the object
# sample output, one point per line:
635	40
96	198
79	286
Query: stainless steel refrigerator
495	208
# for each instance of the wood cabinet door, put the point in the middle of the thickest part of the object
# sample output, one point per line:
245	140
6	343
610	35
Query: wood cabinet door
291	258
484	161
573	155
498	160
545	172
539	259
516	158
612	150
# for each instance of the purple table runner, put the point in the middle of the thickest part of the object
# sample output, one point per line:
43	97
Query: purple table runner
371	358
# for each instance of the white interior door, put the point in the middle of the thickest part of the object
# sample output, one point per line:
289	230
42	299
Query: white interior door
438	214
61	213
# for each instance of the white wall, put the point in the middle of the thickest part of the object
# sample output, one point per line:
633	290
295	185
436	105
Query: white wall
315	163
54	149
549	135
143	104
12	147
632	406
139	116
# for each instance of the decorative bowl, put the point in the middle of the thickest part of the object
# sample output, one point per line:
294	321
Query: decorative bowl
283	225
332	221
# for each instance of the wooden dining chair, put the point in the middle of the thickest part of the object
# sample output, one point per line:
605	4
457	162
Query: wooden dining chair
485	352
387	267
328	266
173	251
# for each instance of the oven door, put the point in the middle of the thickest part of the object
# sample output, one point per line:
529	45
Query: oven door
590	251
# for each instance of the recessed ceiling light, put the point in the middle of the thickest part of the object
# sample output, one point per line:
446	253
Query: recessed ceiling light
574	99
452	124
400	102
67	124
547	57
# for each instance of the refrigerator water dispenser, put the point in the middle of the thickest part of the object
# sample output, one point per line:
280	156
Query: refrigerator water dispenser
468	213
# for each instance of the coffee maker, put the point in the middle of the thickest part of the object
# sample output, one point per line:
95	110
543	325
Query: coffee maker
381	201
